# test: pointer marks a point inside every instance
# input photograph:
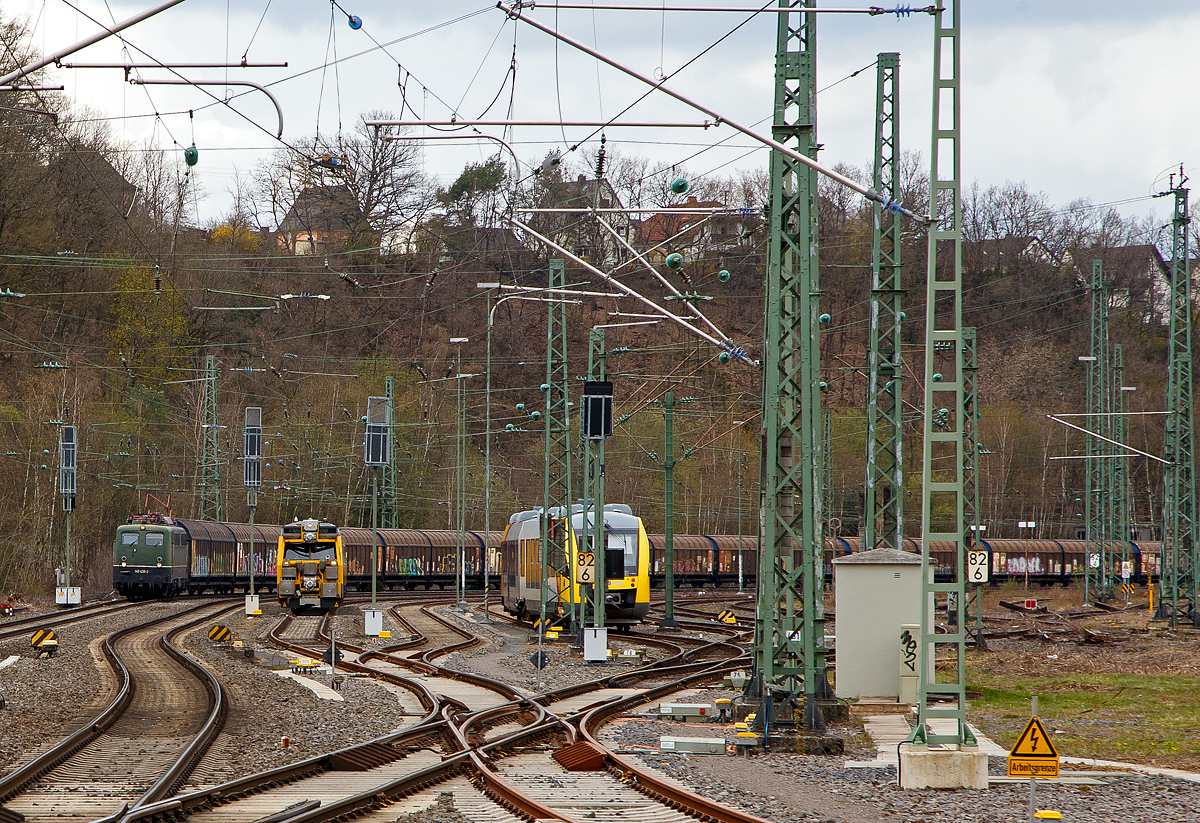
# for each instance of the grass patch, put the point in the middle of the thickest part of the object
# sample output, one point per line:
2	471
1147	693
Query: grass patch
1140	718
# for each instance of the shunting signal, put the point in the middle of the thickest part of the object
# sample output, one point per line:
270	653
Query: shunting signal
727	616
220	634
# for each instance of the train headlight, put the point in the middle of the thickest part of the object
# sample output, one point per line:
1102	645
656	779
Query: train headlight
160	562
124	562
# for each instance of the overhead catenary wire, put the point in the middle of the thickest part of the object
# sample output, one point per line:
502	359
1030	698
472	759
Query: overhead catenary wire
869	193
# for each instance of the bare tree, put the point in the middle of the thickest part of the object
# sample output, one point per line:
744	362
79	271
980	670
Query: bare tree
380	175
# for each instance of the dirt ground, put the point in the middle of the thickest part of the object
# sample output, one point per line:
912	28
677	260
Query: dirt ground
1115	685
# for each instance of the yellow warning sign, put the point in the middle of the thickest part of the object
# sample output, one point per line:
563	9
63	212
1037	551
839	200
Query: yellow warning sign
727	616
219	633
43	636
1034	754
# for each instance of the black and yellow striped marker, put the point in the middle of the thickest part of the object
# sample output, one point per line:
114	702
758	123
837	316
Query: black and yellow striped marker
1128	588
550	627
43	636
727	616
219	633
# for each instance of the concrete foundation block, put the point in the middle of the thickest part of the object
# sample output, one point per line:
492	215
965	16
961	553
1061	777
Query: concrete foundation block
924	768
834	711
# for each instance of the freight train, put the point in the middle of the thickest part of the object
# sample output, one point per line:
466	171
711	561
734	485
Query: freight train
159	556
625	564
704	561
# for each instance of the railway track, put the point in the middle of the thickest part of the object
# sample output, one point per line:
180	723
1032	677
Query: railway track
455	741
54	620
477	745
167	711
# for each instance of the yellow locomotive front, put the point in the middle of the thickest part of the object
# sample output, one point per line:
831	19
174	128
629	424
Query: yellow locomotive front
309	567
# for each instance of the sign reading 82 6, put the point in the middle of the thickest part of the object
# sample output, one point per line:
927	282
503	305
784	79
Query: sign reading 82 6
977	566
585	571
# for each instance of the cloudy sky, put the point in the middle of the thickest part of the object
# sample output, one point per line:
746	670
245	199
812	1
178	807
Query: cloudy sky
1078	99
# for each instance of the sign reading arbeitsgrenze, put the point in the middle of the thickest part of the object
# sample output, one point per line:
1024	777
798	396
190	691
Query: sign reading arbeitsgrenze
1034	754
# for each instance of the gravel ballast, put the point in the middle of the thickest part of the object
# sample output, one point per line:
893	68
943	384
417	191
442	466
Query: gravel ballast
791	788
49	697
46	698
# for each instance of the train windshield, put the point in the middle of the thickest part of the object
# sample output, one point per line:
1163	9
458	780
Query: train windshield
154	538
129	538
627	542
321	550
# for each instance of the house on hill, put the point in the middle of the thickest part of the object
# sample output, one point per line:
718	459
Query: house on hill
324	218
678	228
579	233
1138	277
1003	256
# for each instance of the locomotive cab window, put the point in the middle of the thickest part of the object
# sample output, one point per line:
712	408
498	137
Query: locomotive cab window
627	542
154	538
129	538
309	551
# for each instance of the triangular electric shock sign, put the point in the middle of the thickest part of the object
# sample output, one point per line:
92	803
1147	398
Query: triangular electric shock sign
1034	754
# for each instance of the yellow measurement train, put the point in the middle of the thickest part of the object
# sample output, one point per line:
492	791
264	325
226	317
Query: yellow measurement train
626	565
310	569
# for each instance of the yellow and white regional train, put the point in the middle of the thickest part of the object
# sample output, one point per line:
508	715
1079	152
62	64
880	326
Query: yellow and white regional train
626	565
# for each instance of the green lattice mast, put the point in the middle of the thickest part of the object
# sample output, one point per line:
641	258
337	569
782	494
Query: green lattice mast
1120	466
593	490
943	515
790	668
827	465
884	520
210	451
1096	582
556	483
971	451
1180	597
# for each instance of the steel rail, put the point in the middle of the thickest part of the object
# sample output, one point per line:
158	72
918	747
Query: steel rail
474	757
15	628
21	777
179	771
499	789
430	726
646	782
